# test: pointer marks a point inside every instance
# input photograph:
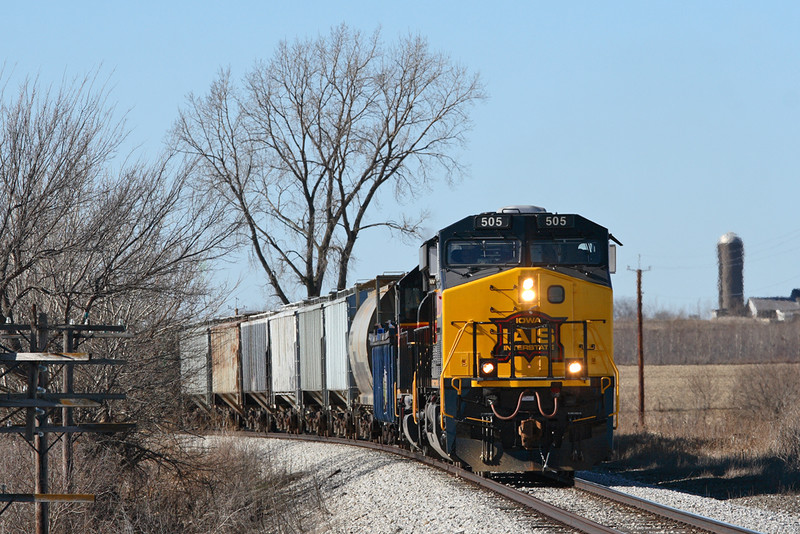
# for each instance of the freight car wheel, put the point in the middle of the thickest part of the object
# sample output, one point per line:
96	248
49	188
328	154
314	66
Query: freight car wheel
375	429
269	424
559	478
322	424
340	425
567	478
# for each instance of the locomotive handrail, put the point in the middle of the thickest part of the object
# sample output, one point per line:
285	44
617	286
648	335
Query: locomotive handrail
414	400
511	345
453	348
615	414
444	369
586	323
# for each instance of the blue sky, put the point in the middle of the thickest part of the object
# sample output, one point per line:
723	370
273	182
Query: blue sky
671	123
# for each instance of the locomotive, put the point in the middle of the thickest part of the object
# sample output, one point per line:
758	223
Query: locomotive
495	351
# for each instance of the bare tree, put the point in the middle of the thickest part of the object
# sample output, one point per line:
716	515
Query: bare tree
147	237
53	145
624	308
74	231
88	242
302	150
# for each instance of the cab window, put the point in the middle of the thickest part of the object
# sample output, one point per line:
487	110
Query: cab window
566	252
483	252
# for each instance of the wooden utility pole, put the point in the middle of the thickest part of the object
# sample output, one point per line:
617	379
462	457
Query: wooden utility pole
40	406
68	380
40	447
639	339
640	344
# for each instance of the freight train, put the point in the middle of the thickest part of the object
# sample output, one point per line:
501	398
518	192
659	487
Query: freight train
495	351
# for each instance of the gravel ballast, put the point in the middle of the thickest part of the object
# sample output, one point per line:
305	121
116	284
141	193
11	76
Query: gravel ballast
369	491
751	517
364	490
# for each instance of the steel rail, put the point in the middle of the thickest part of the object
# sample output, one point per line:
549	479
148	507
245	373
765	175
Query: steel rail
693	520
554	513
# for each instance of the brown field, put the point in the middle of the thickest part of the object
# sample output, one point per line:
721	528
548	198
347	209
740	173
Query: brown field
721	430
672	389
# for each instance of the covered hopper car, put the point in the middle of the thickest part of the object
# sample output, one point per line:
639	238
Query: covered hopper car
495	351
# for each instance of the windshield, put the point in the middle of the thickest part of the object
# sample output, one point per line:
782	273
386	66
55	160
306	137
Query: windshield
566	252
483	252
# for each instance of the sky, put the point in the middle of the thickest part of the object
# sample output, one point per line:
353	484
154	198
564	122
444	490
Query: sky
669	122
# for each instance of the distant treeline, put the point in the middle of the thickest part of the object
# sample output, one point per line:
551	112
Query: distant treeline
694	341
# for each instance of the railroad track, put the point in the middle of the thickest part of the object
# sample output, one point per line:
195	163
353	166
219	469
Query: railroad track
660	510
630	514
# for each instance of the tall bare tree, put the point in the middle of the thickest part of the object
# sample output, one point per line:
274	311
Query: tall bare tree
303	148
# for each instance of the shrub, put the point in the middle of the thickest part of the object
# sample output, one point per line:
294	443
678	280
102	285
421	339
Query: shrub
224	489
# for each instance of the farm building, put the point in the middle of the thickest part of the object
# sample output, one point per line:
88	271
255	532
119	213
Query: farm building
778	308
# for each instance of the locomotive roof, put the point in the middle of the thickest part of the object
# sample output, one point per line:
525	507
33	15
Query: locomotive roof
525	224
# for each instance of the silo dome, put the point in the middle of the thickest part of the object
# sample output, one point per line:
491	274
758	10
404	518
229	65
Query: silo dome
728	238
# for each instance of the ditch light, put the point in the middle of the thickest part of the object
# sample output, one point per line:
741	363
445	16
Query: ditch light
487	368
574	368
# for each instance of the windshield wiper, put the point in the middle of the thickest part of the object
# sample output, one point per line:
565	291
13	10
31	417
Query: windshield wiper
471	270
466	274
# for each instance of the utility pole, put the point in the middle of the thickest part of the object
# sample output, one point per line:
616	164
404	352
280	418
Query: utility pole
40	447
640	344
31	371
68	383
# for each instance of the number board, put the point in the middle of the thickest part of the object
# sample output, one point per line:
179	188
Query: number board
492	221
549	220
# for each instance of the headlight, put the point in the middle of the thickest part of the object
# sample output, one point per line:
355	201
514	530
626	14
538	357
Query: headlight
574	367
527	283
527	290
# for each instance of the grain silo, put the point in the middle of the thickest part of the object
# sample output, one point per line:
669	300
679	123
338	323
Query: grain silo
730	251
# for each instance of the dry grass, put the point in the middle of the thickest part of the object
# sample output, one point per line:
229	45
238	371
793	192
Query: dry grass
222	490
712	427
691	342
